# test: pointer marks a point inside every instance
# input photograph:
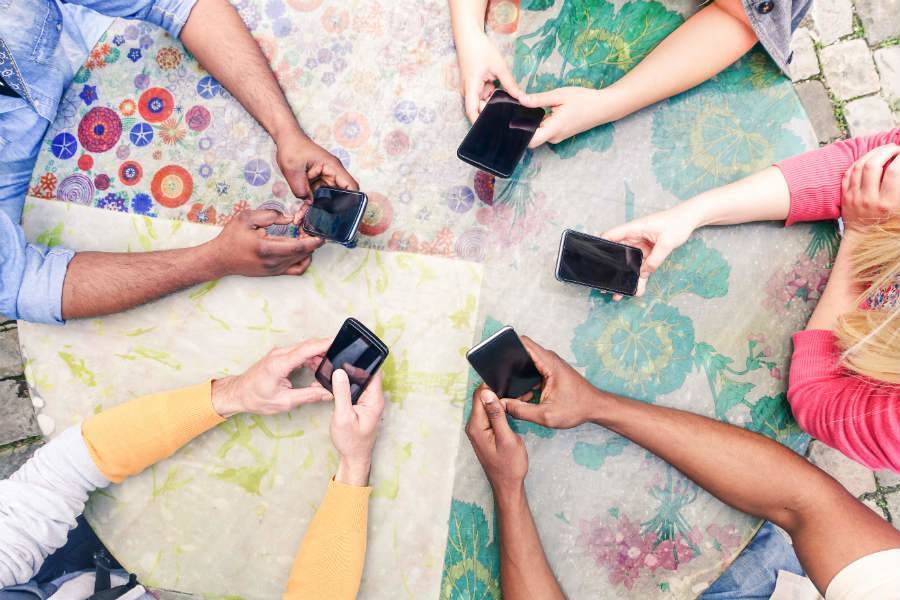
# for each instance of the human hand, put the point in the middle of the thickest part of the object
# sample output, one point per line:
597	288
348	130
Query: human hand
354	428
656	235
572	110
871	188
304	164
567	398
244	247
480	64
264	388
499	449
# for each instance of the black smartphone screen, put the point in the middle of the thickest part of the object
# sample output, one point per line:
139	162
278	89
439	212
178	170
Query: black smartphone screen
335	214
358	352
500	135
504	364
599	263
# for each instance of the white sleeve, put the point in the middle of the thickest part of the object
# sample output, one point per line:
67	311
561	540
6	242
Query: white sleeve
872	577
40	502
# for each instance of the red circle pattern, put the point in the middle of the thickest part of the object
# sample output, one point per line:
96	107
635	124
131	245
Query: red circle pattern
172	186
99	129
156	105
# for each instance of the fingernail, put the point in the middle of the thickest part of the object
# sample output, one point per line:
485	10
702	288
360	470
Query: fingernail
488	397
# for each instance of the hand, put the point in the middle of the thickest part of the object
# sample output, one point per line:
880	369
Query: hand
499	449
572	110
264	388
567	398
354	428
871	190
244	247
657	235
480	64
304	164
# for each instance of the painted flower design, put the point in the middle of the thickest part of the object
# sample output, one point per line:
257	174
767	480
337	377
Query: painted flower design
171	132
799	286
202	214
472	559
634	348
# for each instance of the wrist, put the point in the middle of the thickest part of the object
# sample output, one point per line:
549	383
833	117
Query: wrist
288	132
209	261
612	103
354	471
509	495
600	407
225	399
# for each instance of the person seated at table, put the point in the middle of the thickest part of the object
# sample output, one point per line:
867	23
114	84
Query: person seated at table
39	503
847	550
42	44
716	36
844	385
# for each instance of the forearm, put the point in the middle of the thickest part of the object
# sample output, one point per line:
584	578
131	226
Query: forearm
467	17
763	196
218	38
700	48
524	571
841	292
102	283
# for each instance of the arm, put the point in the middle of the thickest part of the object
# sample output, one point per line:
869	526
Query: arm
100	283
217	36
703	46
524	570
330	561
830	529
40	502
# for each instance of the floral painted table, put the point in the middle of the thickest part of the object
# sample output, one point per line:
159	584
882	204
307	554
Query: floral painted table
447	255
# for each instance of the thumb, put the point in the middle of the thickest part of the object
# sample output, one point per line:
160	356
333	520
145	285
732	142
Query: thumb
471	98
299	183
542	99
307	395
262	218
525	411
505	76
340	387
496	415
658	254
543	133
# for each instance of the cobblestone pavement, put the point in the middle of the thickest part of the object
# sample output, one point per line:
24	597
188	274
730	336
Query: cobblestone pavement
846	70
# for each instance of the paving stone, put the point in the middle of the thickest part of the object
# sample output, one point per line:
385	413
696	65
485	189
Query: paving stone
888	62
868	115
893	502
849	69
875	508
887	478
833	19
17	420
10	359
804	63
13	458
879	19
819	109
856	478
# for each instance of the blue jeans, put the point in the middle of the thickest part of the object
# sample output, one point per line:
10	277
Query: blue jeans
753	573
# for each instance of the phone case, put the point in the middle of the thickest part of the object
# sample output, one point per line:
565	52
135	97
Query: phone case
562	242
351	241
365	333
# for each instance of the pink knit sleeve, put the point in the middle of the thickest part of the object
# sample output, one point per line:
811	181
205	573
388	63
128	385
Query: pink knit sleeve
857	416
814	177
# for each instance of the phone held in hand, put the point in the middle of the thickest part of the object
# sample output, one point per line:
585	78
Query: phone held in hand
597	263
335	215
504	364
500	135
358	352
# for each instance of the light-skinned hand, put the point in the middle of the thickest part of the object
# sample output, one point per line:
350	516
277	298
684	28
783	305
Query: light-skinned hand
480	65
499	449
354	428
871	188
572	111
567	399
306	165
264	388
244	248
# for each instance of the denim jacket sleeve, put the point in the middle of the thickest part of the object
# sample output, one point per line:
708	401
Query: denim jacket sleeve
171	15
31	276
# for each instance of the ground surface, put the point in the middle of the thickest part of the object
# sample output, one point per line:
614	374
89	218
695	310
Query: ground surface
846	69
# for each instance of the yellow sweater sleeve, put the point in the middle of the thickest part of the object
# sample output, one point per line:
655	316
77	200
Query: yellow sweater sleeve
331	557
126	439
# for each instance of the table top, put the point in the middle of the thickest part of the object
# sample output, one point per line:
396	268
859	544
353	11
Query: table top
448	255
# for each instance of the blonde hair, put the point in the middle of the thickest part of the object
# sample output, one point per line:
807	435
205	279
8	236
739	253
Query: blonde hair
870	339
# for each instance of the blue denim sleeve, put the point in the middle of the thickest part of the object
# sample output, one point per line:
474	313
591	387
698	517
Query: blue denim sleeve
171	15
31	276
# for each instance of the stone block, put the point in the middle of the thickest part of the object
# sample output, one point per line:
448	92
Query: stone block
880	19
804	63
833	19
893	507
819	109
888	62
13	458
855	477
849	69
868	115
887	478
10	358
17	420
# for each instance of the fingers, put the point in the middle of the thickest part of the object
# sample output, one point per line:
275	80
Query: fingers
295	356
496	415
373	397
525	411
299	182
281	247
262	218
345	181
543	358
873	170
343	406
307	395
542	100
544	133
478	419
300	268
471	98
505	76
890	185
651	263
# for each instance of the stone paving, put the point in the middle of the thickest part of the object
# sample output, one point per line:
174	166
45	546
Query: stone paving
846	70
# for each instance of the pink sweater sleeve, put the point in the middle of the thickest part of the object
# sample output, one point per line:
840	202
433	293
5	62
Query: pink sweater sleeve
814	177
857	416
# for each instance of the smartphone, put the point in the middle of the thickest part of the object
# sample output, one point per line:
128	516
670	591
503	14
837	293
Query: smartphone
500	135
598	263
358	352
335	215
503	363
